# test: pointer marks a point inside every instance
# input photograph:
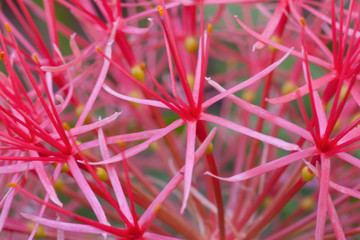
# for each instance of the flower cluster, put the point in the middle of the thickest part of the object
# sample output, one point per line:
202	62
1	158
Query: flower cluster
182	119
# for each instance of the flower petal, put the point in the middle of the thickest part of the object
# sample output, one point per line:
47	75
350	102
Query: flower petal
267	167
88	193
189	161
70	227
114	178
323	198
257	77
249	132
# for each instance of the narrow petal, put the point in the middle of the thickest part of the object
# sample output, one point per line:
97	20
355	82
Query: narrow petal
348	191
323	198
142	146
135	100
7	200
130	137
114	178
275	164
189	161
89	127
154	236
199	63
335	221
302	91
349	158
136	30
88	193
69	227
282	47
251	133
150	213
259	76
263	113
320	112
101	78
16	168
45	181
271	25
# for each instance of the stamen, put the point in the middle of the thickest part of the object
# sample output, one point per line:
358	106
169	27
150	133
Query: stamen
209	28
138	73
307	174
12	184
161	11
79	109
65	168
267	201
66	126
191	44
275	39
7	27
121	144
102	174
135	94
302	21
288	87
307	203
191	80
98	49
209	149
40	231
59	185
36	58
2	56
248	95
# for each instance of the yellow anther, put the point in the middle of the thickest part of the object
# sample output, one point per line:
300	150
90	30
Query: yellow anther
248	95
161	11
154	146
137	73
191	80
7	27
98	49
337	125
12	184
307	203
40	231
59	185
209	149
135	94
302	21
2	56
121	144
324	105
307	174
343	91
66	126
79	109
275	39
267	201
191	44
288	87
36	58
157	208
65	168
355	117
231	64
101	174
209	28
143	66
